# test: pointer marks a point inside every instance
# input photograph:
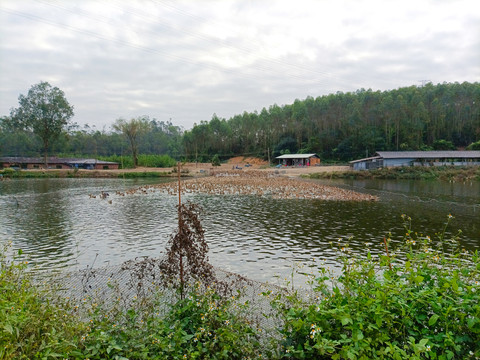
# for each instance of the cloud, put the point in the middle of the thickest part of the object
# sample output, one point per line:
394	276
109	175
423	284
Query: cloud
185	60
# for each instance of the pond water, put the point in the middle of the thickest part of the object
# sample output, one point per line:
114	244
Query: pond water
59	227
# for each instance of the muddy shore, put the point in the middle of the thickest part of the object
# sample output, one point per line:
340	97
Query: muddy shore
233	178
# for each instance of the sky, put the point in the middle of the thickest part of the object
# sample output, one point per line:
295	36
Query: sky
185	60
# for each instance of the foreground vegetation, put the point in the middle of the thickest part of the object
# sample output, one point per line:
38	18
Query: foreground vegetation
418	301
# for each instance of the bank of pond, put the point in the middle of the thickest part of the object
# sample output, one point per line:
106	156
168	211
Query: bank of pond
54	174
444	173
418	300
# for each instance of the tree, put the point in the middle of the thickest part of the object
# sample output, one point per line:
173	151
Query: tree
132	129
45	111
443	145
474	146
216	160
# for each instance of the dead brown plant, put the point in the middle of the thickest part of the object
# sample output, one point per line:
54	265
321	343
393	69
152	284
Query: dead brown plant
187	252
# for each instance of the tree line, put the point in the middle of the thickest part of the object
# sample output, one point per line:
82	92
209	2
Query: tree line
338	127
346	126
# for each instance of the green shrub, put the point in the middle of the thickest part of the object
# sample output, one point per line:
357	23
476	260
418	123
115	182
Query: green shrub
162	161
425	304
126	162
216	160
474	146
8	170
32	325
201	326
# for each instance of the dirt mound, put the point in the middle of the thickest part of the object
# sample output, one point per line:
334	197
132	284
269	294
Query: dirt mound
247	160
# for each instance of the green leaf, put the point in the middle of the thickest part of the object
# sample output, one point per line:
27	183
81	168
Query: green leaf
423	342
471	322
433	319
419	279
8	328
345	319
454	285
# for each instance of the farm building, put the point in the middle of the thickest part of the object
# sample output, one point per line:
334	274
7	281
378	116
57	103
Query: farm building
56	163
417	158
299	159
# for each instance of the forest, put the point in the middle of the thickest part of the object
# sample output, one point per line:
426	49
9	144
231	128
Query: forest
338	127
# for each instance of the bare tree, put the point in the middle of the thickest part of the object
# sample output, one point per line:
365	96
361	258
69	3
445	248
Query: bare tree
133	129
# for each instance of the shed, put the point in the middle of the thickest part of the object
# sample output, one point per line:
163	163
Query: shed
56	163
299	159
417	158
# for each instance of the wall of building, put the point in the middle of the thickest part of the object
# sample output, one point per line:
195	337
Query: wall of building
106	166
397	162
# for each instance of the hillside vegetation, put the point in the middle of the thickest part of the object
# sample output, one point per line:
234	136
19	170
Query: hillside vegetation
338	127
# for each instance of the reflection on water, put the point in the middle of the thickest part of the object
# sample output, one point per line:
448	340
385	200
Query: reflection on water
60	226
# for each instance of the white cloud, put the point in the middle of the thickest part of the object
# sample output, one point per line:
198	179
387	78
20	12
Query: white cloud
187	59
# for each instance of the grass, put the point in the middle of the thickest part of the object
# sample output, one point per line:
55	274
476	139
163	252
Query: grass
418	301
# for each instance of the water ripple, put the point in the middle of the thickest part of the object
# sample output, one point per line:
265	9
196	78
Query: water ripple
60	226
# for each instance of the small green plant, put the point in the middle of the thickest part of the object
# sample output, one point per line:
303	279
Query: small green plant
424	304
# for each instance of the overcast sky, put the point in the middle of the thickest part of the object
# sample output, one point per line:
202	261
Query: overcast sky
185	60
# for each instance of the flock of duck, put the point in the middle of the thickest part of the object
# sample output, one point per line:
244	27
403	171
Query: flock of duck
254	182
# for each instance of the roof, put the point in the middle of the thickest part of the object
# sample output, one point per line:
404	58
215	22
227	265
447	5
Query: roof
90	161
52	160
296	156
365	159
428	154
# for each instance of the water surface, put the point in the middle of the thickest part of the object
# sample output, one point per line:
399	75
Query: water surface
60	227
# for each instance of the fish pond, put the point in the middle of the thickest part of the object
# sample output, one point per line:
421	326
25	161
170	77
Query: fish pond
61	227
